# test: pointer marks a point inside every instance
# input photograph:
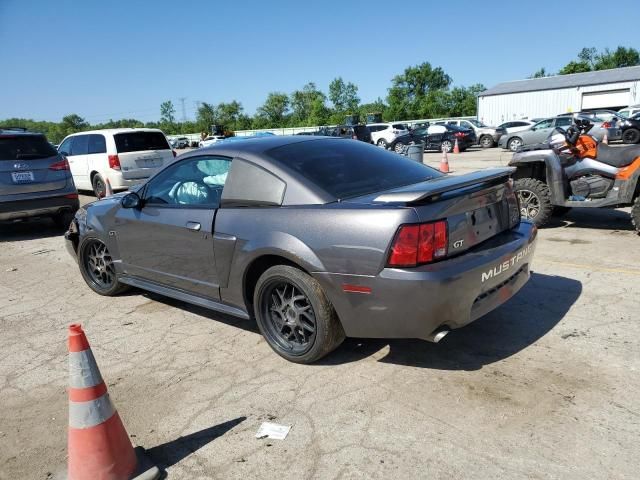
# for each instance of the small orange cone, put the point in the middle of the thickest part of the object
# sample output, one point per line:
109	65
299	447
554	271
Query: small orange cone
444	163
99	447
456	148
605	139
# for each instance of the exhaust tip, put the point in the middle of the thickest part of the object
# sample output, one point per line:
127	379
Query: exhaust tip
438	335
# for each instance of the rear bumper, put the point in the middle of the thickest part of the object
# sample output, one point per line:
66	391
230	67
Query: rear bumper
413	303
37	207
118	182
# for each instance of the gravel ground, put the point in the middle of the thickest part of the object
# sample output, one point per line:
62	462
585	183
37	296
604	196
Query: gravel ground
546	386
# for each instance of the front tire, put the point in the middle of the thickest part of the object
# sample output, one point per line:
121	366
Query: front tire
514	144
295	316
534	199
635	215
631	135
97	268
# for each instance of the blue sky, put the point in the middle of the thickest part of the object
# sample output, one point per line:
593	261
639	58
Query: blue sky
121	59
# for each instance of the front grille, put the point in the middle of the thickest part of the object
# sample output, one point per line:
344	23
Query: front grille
488	293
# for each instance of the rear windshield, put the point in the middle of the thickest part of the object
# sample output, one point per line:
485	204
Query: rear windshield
347	168
25	147
138	141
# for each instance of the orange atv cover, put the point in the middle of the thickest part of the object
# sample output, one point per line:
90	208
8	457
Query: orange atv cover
586	147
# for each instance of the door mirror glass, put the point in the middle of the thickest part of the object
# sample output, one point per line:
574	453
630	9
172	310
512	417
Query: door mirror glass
131	200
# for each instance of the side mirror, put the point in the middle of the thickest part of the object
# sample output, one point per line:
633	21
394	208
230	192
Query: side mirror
131	200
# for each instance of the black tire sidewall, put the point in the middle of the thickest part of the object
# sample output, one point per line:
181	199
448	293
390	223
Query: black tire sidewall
94	183
329	332
382	143
116	288
631	136
541	190
488	139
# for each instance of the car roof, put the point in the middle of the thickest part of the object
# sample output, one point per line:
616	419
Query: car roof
12	132
113	131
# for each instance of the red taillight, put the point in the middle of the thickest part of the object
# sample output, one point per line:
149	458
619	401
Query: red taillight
459	134
418	244
606	125
114	162
61	165
71	195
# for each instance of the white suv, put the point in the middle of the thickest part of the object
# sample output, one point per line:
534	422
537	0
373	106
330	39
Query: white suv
210	140
123	156
383	134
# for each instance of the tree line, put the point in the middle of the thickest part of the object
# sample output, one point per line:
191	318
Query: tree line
590	60
421	91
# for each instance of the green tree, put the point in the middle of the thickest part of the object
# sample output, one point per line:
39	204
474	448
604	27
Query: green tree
343	96
621	57
206	116
374	107
410	95
540	73
274	112
230	115
305	102
167	112
74	123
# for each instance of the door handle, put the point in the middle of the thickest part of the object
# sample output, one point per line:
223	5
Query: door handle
195	226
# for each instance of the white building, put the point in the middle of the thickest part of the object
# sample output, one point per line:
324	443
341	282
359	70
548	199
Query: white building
550	96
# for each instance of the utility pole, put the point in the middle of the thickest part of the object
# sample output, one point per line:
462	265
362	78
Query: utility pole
184	110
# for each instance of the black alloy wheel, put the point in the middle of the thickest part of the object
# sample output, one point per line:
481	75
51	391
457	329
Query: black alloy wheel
534	199
97	268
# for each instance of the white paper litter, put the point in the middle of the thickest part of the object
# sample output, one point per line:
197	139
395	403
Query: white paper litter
273	430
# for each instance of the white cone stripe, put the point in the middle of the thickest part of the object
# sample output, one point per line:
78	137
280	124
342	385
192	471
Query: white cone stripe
91	413
83	370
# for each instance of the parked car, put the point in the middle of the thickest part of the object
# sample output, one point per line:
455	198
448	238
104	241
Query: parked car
316	238
383	134
181	142
124	156
210	140
513	126
356	132
485	136
630	127
35	179
436	137
629	111
539	132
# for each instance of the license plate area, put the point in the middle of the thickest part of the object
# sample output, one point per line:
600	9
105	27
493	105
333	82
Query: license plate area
484	222
22	177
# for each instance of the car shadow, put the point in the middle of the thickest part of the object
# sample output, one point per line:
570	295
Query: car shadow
596	218
170	453
30	229
532	313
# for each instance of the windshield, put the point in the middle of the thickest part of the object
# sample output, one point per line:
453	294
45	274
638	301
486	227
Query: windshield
345	168
25	147
477	123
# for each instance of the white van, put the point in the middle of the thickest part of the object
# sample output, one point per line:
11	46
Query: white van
124	156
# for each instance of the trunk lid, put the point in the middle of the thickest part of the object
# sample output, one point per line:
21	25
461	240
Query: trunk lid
29	164
476	206
142	153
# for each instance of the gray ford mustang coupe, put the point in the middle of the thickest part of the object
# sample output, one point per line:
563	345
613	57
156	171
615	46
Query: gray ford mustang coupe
316	238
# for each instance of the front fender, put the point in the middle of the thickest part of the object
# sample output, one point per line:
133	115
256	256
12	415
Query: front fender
545	166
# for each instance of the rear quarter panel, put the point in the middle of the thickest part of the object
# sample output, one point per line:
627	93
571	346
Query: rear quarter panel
329	238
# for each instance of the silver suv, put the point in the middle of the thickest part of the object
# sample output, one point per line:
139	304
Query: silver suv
35	179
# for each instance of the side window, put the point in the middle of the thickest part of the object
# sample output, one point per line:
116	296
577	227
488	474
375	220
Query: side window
65	147
196	181
97	144
454	122
543	124
79	145
466	125
563	121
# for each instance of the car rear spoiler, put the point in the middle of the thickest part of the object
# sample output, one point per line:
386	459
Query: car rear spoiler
447	183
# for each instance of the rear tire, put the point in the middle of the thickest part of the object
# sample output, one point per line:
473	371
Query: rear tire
446	146
534	199
635	215
382	143
486	141
294	315
398	147
631	135
99	186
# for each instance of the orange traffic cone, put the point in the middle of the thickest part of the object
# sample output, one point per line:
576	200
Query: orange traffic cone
456	148
605	139
444	163
108	191
99	447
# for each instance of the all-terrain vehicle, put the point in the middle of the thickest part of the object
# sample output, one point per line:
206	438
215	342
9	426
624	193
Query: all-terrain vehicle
571	169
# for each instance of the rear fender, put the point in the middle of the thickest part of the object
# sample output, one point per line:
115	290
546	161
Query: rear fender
544	166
